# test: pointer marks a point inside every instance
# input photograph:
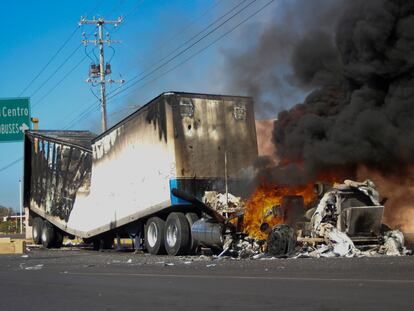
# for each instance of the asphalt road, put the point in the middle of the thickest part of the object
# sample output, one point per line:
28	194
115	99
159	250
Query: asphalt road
73	279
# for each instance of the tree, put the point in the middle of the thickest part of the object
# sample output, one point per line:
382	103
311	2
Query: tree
5	211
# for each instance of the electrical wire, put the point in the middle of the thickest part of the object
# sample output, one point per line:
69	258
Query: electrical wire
87	53
50	60
179	53
94	106
186	27
59	82
89	109
82	115
56	70
54	55
193	37
200	50
11	164
204	29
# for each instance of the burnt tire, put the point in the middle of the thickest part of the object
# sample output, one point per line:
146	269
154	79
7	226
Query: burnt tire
37	230
177	236
48	235
154	236
281	241
192	218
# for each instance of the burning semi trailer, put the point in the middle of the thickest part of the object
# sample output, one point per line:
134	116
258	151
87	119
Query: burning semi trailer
175	176
144	177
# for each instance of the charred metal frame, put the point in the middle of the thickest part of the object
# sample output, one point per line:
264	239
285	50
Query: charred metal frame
56	170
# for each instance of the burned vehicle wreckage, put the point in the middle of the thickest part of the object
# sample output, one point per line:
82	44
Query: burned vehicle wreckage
345	220
165	176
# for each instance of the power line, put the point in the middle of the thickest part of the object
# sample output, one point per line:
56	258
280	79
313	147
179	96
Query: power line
202	49
11	164
182	30
93	106
83	115
59	82
87	54
179	53
50	60
56	70
206	28
193	37
54	55
102	69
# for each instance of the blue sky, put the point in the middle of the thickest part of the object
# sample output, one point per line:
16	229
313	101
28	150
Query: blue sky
32	31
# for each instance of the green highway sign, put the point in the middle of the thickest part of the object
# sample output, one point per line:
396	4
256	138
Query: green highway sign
14	118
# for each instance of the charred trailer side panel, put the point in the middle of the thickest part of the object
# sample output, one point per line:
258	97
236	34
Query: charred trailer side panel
131	168
57	168
185	141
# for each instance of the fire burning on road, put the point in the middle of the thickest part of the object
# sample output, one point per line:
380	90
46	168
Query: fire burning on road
265	198
260	207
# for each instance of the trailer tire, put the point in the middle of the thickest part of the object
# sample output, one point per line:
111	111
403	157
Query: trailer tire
37	230
58	238
154	236
48	235
192	218
177	234
281	240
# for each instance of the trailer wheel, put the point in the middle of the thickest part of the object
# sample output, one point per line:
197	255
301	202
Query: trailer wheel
37	230
58	238
48	235
177	234
281	240
192	218
154	236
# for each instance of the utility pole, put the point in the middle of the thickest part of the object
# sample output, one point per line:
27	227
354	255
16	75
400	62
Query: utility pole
101	70
21	206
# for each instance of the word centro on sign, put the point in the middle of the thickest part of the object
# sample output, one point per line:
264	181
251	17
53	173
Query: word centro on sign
14	112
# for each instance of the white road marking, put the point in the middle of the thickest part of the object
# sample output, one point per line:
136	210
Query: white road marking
238	277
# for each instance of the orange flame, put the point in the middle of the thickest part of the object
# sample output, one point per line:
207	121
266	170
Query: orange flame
263	199
266	196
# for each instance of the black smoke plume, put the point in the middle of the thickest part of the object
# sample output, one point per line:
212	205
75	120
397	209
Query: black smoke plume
358	64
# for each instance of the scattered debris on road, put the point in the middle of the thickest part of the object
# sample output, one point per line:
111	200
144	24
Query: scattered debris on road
345	221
